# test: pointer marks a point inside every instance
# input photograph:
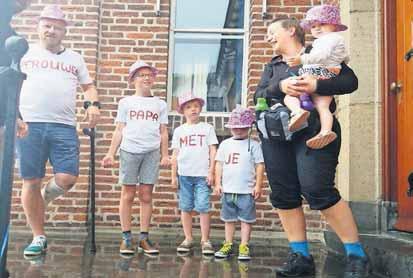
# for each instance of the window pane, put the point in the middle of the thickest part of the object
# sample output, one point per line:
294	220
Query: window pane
209	65
210	14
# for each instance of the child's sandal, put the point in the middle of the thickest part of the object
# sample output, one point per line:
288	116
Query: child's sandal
321	140
297	120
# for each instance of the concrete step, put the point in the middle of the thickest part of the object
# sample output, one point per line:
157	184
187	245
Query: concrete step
391	253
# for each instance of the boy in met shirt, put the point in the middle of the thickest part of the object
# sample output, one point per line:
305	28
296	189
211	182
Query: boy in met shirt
239	174
194	148
141	132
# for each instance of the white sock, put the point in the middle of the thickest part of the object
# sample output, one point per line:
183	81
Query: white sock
51	191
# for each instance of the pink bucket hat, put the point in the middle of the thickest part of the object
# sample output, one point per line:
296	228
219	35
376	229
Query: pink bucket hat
324	14
53	12
137	66
185	98
241	118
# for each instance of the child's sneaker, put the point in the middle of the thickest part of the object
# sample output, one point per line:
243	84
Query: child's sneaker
148	247
243	269
37	247
145	262
207	248
185	246
125	263
226	266
225	251
244	252
127	247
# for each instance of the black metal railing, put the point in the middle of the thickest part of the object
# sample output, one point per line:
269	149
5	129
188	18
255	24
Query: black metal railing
12	49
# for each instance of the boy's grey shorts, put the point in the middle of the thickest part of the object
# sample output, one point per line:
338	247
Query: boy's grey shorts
139	168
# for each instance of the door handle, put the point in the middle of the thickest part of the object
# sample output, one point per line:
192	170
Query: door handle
396	86
408	55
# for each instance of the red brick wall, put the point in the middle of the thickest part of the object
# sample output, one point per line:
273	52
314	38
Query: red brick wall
111	35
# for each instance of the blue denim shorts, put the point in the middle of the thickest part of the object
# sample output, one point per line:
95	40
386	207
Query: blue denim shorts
55	142
238	207
194	194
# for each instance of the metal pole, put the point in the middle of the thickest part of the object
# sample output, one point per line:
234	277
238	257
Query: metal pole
264	12
10	84
12	50
91	213
158	8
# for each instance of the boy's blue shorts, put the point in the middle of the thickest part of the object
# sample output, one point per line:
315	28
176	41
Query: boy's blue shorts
194	194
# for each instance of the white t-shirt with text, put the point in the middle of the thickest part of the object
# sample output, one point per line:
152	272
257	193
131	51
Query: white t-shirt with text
193	142
143	117
49	92
238	164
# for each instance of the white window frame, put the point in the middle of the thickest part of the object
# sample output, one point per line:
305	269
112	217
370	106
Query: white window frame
238	33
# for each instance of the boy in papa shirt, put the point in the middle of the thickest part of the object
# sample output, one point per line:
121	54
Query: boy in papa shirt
141	132
239	174
194	148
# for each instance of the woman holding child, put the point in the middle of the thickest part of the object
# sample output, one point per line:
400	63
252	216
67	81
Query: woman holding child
294	169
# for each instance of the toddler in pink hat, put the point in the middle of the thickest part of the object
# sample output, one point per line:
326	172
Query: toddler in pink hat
193	160
239	173
323	61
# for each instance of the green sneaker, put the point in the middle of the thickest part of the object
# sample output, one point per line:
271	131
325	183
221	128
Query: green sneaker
243	268
244	252
37	247
225	251
226	267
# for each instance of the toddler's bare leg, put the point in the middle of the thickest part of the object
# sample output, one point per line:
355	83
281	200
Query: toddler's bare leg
322	104
293	103
326	135
298	115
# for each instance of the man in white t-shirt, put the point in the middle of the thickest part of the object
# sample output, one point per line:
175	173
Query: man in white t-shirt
48	105
142	135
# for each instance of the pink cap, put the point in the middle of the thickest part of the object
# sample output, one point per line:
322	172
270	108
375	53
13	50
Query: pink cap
137	66
241	118
185	98
53	12
324	14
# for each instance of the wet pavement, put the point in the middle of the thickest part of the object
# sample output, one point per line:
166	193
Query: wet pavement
69	256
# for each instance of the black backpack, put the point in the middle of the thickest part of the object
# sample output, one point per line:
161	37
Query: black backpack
273	123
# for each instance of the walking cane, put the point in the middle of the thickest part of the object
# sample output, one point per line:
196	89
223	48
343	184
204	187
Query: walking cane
91	213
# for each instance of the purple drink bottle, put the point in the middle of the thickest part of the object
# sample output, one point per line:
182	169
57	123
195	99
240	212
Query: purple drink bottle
306	102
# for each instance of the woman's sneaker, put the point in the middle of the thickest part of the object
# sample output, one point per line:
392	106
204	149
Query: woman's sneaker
225	251
185	246
37	247
357	267
207	248
244	252
127	247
